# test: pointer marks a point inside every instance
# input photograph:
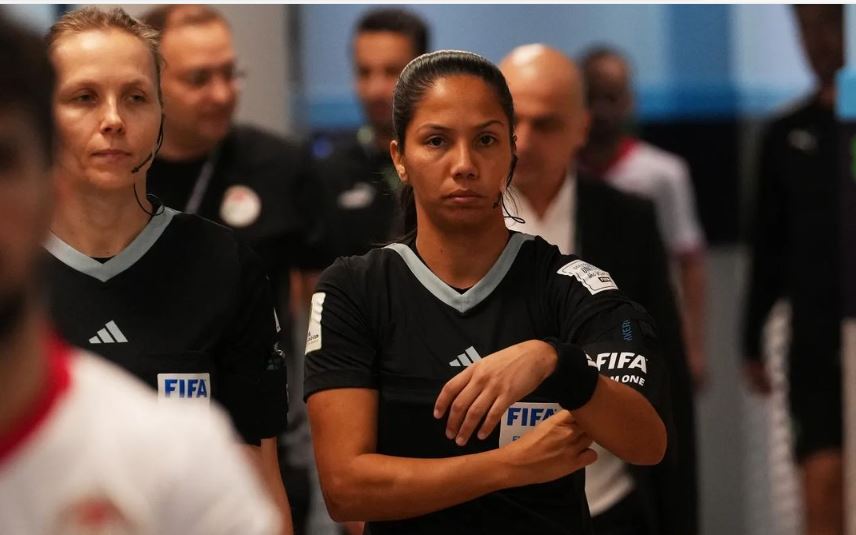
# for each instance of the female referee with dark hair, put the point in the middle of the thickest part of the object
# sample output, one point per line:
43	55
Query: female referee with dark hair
452	379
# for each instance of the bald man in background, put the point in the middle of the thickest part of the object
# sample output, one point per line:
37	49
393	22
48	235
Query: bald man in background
617	232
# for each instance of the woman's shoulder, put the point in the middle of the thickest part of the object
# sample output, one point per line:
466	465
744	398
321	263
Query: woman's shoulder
371	266
199	227
204	239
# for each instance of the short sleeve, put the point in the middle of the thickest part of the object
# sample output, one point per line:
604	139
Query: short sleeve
340	348
616	335
252	380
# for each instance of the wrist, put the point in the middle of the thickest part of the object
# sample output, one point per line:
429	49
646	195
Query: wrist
575	374
510	471
548	357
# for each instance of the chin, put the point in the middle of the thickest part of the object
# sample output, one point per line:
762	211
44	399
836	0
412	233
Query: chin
214	132
524	179
112	180
466	220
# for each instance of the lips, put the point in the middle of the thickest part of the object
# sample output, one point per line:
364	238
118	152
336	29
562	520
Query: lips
464	197
113	153
110	156
463	194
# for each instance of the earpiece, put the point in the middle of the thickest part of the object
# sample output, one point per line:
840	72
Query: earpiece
154	153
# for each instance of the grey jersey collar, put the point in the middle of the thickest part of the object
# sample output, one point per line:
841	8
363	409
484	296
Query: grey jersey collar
129	256
462	302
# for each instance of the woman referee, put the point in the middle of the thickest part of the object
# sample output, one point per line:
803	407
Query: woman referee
173	298
452	379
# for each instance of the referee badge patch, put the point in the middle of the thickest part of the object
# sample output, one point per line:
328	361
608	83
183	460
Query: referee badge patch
313	336
593	278
522	417
184	386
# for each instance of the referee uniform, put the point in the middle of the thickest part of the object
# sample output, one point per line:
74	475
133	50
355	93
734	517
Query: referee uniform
384	321
187	308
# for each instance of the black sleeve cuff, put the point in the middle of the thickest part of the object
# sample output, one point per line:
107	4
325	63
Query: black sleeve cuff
257	405
338	379
575	376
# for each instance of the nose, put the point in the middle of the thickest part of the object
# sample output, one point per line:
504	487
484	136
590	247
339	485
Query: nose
112	121
222	90
380	86
464	166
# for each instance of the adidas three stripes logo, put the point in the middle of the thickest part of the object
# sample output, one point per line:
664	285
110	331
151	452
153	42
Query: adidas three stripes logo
467	358
110	334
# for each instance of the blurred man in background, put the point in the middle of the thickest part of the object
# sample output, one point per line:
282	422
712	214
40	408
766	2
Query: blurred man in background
356	169
240	176
635	166
797	223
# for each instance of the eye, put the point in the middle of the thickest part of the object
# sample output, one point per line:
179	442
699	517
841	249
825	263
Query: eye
435	141
487	140
137	98
83	98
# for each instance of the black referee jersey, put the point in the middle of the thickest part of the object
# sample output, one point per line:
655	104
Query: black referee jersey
186	308
384	321
797	223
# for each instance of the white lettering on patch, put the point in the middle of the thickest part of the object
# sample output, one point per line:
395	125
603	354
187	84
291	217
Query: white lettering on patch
522	417
593	278
313	336
622	360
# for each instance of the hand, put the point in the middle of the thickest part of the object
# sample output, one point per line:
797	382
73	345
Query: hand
554	448
758	378
491	385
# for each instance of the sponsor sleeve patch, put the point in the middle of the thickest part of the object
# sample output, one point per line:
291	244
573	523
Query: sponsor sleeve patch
313	336
593	278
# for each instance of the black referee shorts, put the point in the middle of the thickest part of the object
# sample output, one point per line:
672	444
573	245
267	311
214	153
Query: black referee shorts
816	406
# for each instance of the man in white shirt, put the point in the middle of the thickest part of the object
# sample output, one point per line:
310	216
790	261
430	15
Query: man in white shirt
635	166
83	447
617	232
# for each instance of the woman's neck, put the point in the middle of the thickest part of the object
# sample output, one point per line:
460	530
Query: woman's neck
461	258
101	224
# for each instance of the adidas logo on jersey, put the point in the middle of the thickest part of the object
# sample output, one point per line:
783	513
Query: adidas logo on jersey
469	357
110	334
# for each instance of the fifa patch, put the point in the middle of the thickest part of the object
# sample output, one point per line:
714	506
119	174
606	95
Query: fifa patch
624	367
522	417
185	386
313	336
593	278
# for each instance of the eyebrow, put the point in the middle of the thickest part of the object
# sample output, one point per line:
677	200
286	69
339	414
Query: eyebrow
75	84
485	124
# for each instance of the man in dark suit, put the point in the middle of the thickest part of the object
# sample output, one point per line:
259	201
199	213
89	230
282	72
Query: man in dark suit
616	232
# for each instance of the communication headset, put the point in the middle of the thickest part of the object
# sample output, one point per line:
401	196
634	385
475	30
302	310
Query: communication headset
151	198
